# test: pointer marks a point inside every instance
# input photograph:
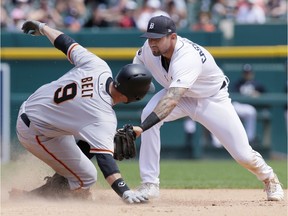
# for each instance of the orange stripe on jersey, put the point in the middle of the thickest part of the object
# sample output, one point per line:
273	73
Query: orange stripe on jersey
70	50
52	155
95	150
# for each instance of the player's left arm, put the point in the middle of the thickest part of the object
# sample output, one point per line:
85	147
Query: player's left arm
60	40
162	109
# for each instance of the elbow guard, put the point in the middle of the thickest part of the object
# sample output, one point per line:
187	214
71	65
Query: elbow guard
63	42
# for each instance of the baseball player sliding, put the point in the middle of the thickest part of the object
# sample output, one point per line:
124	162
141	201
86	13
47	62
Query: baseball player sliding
78	106
193	86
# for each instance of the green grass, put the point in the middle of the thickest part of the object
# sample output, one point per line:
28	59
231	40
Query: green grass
203	174
193	174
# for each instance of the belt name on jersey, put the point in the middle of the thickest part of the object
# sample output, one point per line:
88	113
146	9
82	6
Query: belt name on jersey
87	87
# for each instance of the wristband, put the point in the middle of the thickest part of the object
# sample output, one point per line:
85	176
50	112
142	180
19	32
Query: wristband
40	27
119	186
151	120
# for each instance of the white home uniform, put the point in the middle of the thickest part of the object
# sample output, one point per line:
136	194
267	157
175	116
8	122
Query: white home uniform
76	106
206	102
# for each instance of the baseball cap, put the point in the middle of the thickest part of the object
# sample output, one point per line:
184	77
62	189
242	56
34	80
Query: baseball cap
159	26
247	68
153	4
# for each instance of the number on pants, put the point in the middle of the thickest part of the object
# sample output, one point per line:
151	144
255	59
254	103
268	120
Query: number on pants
66	93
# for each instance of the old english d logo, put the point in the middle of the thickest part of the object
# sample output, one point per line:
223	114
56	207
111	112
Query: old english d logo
151	26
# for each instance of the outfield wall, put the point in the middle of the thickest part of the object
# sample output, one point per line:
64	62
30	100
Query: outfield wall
33	62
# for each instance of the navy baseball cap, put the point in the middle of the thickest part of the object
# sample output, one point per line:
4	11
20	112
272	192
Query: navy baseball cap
247	68
159	26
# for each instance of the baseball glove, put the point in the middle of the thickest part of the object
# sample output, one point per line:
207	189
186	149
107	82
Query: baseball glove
124	143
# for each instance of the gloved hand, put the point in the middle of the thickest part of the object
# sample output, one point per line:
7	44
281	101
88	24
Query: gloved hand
33	27
130	196
124	143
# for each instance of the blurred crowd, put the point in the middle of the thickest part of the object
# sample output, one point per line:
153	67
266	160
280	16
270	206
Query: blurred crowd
197	15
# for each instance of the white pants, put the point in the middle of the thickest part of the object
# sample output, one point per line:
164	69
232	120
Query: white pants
218	115
61	153
248	114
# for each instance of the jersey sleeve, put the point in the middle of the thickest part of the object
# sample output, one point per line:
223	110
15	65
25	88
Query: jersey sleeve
100	136
138	57
75	53
80	56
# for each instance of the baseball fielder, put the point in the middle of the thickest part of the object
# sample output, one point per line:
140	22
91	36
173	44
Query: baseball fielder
79	106
193	86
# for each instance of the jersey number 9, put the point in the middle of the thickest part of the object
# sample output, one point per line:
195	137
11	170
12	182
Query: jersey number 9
65	93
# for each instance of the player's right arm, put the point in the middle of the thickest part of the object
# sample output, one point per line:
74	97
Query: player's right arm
162	109
111	172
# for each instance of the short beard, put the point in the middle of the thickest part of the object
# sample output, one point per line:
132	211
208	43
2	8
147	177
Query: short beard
156	53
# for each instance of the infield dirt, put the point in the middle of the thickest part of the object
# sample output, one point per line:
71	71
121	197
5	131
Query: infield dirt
172	202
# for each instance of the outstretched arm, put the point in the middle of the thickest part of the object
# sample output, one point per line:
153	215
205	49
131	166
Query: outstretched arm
162	110
60	40
51	33
36	28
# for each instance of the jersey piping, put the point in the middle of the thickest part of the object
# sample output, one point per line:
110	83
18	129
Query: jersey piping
64	165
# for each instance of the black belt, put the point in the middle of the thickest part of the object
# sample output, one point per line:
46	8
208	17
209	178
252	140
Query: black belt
25	119
223	85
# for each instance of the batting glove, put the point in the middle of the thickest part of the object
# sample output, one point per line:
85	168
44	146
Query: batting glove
132	197
33	27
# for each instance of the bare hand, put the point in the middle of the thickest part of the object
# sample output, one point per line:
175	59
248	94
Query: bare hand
138	130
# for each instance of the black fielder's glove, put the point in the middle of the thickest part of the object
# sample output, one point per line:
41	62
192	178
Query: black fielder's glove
124	143
33	27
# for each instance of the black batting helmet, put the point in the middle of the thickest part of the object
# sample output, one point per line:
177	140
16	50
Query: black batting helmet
134	81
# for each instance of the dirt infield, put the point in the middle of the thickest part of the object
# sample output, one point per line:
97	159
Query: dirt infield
28	173
172	202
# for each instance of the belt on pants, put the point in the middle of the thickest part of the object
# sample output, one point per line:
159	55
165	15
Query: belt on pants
25	119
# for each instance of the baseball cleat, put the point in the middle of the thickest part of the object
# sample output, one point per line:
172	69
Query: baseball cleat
273	189
149	190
